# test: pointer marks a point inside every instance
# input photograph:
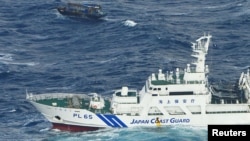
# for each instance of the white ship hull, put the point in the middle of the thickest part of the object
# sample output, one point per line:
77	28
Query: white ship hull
84	120
182	97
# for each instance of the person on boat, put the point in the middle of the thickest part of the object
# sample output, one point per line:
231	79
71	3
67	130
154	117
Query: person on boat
157	121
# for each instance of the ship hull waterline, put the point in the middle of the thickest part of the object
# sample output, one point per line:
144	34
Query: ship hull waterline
73	128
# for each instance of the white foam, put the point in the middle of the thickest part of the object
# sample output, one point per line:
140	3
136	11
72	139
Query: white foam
109	60
13	110
56	130
110	19
59	16
18	63
45	129
5	57
58	88
129	23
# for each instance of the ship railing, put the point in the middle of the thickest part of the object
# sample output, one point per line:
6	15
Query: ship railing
229	112
211	89
54	96
175	81
201	93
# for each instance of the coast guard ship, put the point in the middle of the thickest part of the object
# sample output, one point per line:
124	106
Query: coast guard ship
178	97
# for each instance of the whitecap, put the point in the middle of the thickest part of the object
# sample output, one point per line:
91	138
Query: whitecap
56	130
13	110
110	19
18	63
129	23
5	57
45	129
109	60
32	122
58	88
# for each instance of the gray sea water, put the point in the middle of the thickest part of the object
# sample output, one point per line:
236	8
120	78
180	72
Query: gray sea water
43	51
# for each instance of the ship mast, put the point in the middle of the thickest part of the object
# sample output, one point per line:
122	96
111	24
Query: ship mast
200	49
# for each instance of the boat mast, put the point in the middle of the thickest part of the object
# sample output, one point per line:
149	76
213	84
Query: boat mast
200	49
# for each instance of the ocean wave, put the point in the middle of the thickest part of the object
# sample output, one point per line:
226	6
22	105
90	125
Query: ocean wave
6	57
129	23
44	129
58	88
19	63
134	40
13	110
32	123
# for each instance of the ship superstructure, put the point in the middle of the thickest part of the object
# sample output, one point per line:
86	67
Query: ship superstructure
179	97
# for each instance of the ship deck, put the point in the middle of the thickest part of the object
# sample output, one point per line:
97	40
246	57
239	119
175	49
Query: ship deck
67	102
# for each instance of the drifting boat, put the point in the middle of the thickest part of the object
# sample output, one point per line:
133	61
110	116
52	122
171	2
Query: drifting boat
90	11
178	97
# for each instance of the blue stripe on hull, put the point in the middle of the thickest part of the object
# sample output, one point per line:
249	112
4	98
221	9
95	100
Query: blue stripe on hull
112	120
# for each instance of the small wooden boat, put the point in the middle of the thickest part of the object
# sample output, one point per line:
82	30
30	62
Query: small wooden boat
91	11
